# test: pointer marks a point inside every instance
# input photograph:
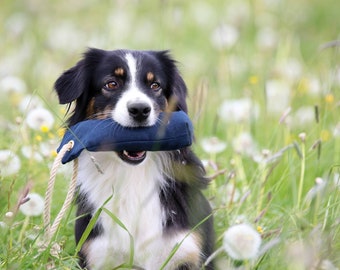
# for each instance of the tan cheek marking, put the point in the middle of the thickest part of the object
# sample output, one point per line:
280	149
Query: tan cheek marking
119	71
90	108
150	77
105	113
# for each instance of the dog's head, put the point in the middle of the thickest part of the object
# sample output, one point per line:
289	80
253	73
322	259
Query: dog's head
132	87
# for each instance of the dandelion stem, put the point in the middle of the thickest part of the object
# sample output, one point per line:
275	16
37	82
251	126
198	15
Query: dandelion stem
23	229
262	182
302	173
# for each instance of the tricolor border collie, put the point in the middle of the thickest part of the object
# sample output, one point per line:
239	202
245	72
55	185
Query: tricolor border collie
156	195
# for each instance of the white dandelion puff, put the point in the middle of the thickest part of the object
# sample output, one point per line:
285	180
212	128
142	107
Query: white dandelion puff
242	242
34	206
30	102
9	163
238	110
39	117
336	130
316	190
328	265
12	84
290	69
267	38
30	152
213	145
244	144
224	36
277	96
303	116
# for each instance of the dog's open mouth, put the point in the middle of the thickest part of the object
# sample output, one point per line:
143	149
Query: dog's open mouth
132	157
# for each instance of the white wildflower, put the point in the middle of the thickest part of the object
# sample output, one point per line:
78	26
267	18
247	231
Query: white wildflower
202	12
277	96
16	23
29	103
30	152
290	69
314	87
238	110
65	36
39	117
238	12
328	265
266	38
236	65
244	144
9	214
301	255
12	84
33	207
242	242
9	163
316	190
213	145
303	116
224	36
3	225
336	179
336	130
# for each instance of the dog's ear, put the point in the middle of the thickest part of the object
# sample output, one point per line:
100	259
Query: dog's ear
77	80
72	83
176	91
179	91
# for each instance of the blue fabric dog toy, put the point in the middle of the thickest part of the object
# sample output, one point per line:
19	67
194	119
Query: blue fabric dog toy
172	131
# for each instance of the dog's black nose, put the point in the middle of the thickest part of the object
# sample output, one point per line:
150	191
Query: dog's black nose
140	111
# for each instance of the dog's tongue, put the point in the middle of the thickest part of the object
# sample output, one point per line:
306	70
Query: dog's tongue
134	155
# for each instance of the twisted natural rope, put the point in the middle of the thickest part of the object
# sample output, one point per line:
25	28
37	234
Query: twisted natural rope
50	230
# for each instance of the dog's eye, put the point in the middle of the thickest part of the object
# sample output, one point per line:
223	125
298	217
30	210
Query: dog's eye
155	86
113	85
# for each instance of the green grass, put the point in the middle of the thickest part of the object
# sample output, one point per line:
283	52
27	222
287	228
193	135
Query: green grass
40	39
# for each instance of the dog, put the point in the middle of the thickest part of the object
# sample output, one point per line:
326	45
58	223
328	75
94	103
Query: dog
156	216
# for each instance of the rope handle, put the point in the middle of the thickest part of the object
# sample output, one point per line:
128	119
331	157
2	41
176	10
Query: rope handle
51	230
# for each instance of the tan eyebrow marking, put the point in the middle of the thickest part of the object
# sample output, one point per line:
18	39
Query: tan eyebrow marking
119	71
150	77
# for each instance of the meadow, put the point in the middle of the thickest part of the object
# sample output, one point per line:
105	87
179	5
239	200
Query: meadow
264	96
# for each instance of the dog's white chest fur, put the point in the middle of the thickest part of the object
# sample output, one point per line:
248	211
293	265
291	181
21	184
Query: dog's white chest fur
134	193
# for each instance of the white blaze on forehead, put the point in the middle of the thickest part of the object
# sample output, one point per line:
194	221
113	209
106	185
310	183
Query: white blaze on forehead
132	64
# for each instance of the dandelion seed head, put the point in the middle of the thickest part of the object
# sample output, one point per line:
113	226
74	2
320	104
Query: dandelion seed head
238	110
12	84
290	69
336	130
277	96
266	38
213	145
224	36
302	136
303	116
9	214
30	152
38	118
29	102
244	144
9	163
242	242
33	207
